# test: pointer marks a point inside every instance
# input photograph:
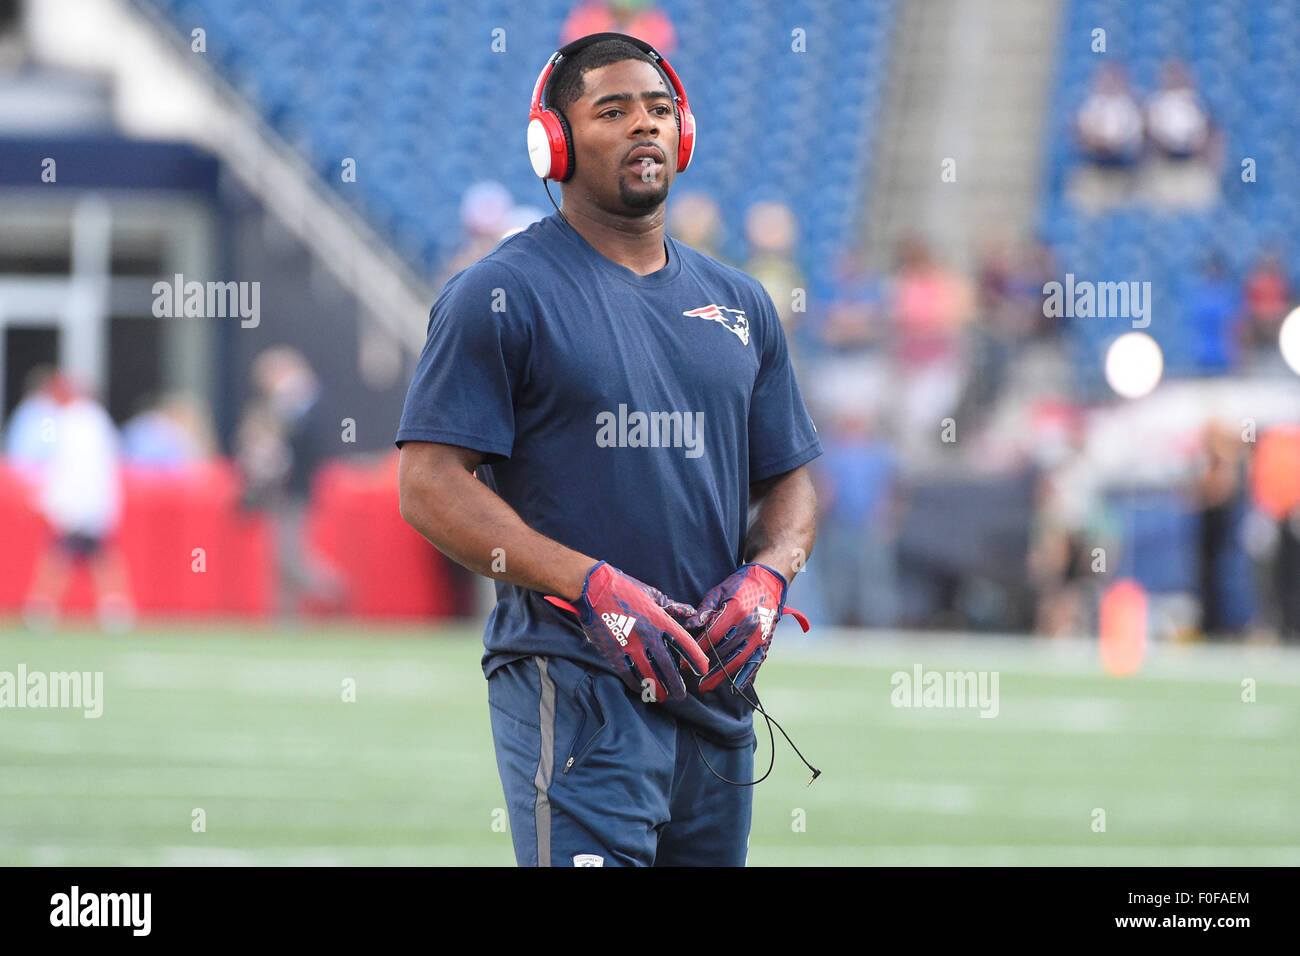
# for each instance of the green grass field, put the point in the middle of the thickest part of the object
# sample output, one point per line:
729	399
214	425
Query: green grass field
250	726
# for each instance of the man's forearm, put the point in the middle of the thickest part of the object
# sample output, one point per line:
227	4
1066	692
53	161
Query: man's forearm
472	525
785	524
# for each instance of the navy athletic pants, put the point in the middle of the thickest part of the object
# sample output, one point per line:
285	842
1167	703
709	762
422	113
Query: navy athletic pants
595	777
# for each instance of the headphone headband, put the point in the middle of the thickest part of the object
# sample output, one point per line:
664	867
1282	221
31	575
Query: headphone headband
550	144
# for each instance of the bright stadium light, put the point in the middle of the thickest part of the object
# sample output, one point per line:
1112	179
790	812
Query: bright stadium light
1134	364
1288	339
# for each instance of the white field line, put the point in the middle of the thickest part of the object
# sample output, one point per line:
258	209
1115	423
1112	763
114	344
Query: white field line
438	854
1011	855
1033	713
1066	657
147	671
1070	804
806	854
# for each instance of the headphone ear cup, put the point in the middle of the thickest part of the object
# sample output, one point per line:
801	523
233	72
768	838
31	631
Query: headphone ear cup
685	140
568	146
547	145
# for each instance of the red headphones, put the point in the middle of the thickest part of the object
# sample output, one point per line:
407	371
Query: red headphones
550	144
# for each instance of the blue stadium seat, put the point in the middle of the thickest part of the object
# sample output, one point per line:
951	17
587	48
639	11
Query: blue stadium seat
412	98
1243	55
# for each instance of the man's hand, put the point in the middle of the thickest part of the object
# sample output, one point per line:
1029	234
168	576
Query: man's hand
735	622
636	629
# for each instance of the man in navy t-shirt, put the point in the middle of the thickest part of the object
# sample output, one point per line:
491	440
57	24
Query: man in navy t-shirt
595	412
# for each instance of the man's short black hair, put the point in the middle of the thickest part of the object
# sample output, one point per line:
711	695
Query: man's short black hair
566	81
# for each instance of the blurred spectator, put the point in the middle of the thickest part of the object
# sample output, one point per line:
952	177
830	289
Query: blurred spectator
1109	123
1213	311
1268	295
696	221
277	455
846	338
1180	171
171	432
521	217
1058	562
1006	312
1177	122
1287	574
856	542
29	436
1109	130
80	496
1275	492
772	232
1070	520
637	18
1039	267
1220	497
486	211
855	317
931	306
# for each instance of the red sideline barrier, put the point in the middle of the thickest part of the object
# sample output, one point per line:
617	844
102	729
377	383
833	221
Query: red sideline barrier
355	522
165	517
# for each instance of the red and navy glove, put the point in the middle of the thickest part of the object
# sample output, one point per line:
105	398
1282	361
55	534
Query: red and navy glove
636	629
735	623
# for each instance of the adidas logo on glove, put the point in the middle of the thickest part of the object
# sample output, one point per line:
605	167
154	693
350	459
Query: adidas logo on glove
620	625
766	618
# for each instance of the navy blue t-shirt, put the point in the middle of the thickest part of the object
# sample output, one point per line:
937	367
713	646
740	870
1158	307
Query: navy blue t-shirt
622	415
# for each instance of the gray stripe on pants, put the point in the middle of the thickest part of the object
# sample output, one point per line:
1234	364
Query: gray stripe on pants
545	765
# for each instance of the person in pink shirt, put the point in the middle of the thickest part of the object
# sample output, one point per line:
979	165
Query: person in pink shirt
637	18
930	306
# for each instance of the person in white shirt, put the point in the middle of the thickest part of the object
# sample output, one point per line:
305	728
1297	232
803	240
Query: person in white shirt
1109	131
79	493
1185	154
1109	123
1177	123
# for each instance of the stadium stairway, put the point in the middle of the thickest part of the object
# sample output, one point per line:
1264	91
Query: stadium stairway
165	90
970	83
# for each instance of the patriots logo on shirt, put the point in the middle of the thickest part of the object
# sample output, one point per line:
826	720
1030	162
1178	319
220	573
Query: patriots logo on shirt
733	319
